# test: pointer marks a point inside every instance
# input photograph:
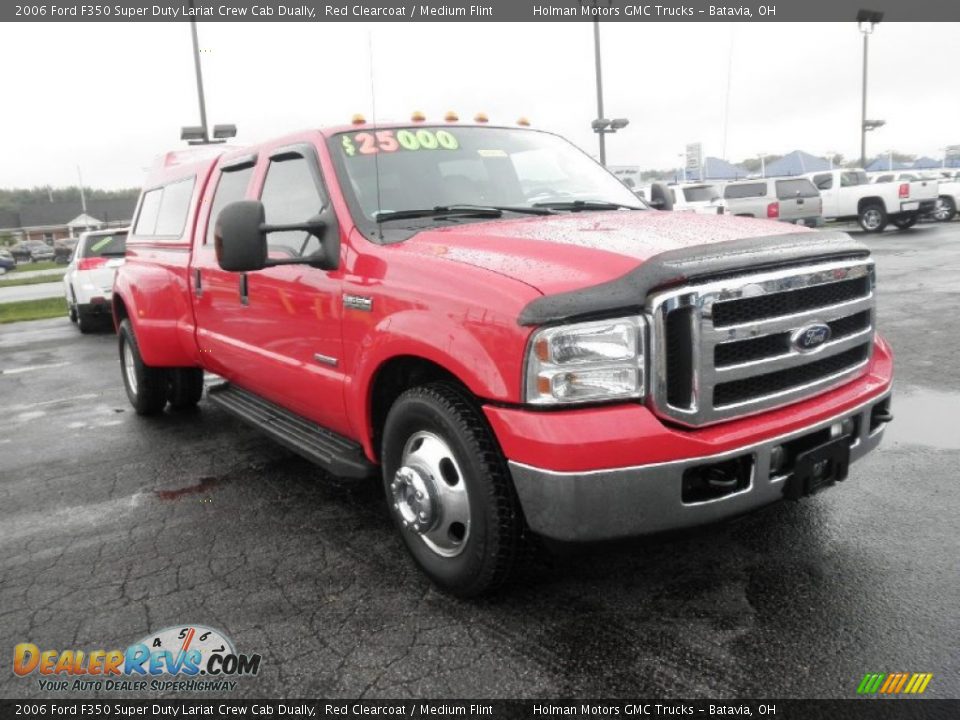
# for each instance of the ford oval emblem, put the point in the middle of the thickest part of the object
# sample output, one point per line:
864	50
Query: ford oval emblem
809	338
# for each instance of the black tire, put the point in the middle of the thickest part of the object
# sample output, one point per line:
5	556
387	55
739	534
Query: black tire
150	394
872	218
85	322
493	542
72	306
905	222
946	209
185	387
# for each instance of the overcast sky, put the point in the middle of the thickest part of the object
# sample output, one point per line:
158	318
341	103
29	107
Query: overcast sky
111	97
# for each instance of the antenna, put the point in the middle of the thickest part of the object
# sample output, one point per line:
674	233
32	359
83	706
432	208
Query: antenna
373	116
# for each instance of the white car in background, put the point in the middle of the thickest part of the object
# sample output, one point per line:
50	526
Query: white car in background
88	282
698	198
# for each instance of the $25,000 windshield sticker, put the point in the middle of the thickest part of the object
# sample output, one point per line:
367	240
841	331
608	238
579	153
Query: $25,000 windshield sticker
388	141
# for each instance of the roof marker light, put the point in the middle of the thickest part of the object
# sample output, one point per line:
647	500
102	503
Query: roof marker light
358	119
451	116
524	122
481	118
418	117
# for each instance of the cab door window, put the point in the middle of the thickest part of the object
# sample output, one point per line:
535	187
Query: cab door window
231	186
291	195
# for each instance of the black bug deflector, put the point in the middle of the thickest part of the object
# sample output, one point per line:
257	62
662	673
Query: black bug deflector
673	267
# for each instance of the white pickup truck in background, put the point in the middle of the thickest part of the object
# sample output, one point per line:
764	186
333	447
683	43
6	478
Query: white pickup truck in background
849	195
948	189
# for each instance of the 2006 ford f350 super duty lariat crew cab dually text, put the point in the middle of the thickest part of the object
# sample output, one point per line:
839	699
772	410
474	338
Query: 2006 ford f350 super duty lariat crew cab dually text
490	321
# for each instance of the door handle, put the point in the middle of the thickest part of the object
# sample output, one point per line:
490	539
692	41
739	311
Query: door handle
197	286
244	294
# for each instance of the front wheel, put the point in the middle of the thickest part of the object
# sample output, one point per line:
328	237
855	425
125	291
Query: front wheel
146	386
449	490
906	222
872	218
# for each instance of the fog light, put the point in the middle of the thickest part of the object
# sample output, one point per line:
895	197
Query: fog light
778	458
841	429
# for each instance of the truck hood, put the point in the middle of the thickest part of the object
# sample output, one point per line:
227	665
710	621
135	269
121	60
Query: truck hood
566	252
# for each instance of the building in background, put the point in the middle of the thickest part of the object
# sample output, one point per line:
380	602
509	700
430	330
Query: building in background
60	220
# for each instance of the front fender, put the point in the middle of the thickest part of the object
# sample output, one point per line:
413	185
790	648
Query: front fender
486	356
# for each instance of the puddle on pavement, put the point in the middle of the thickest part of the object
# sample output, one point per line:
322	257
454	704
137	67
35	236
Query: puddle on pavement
925	417
206	483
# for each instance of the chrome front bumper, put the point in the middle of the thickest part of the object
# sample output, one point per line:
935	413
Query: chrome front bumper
623	502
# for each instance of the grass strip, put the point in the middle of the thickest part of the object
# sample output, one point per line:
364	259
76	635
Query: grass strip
32	309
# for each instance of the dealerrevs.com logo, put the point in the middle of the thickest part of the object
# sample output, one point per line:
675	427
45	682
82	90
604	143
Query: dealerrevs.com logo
187	658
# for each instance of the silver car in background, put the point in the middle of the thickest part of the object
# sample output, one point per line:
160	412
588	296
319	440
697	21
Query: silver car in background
794	200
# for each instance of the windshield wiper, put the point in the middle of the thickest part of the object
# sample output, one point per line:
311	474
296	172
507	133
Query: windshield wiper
578	205
442	211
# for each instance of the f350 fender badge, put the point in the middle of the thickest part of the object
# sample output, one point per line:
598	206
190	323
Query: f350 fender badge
358	302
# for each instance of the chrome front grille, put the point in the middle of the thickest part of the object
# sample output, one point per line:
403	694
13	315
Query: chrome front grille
726	348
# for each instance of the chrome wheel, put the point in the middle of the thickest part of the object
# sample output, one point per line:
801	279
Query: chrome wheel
429	495
943	210
129	368
872	219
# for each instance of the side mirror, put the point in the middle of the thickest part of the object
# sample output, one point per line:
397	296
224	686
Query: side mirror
240	239
659	197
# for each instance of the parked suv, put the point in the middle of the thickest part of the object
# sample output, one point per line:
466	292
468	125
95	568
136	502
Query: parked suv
88	282
490	322
63	250
793	200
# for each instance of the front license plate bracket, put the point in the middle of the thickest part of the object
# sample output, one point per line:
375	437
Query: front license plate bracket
818	468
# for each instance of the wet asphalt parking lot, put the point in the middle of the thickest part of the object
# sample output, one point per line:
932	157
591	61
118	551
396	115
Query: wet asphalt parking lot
114	526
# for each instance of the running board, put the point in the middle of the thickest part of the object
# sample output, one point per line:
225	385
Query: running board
338	455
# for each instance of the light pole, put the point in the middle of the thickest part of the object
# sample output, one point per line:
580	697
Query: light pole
200	134
763	164
602	126
831	154
867	20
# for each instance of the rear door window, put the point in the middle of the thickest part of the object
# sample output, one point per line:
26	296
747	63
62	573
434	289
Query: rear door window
852	179
745	190
823	182
798	187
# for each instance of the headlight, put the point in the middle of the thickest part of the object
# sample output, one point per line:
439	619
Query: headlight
586	362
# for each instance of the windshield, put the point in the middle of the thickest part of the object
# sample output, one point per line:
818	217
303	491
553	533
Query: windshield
430	167
105	245
700	193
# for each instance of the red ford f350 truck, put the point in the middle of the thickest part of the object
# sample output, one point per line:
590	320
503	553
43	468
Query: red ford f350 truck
487	319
